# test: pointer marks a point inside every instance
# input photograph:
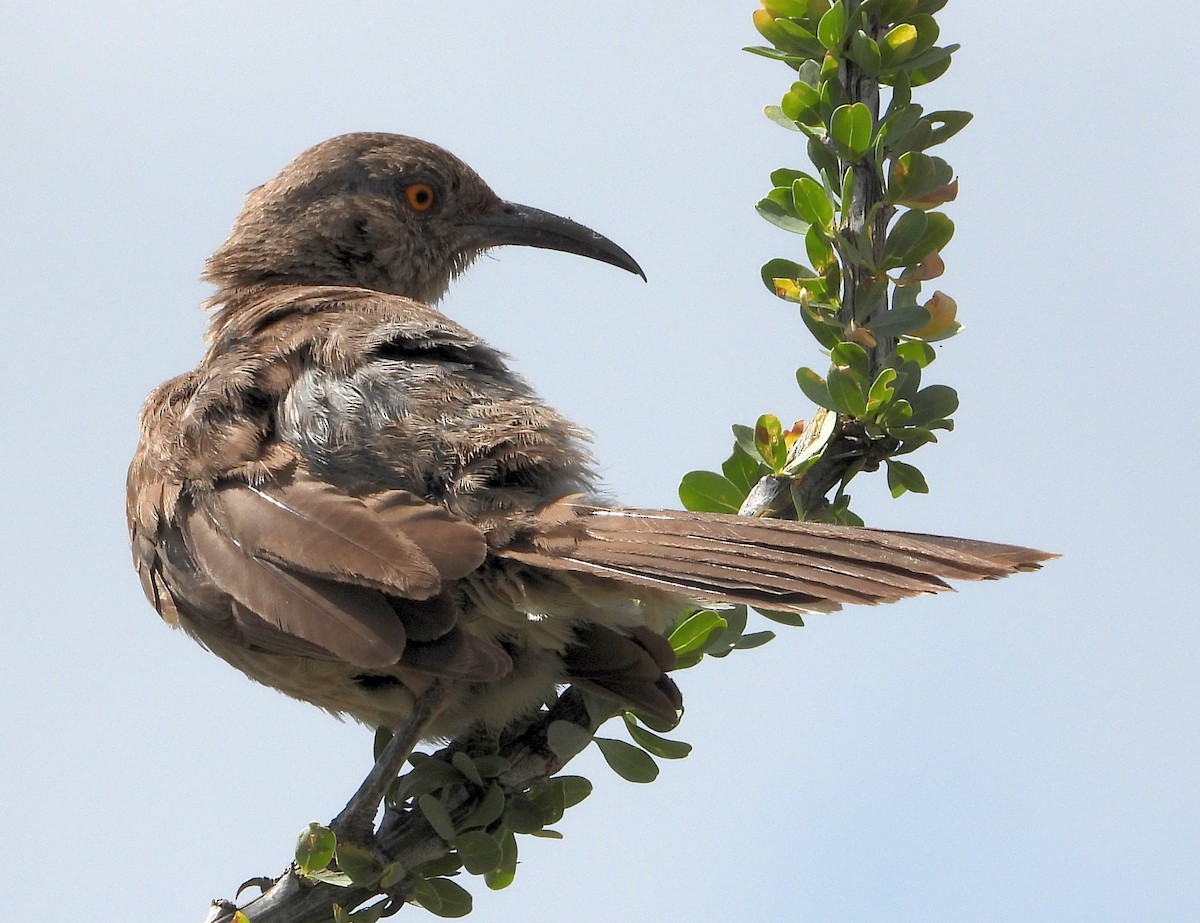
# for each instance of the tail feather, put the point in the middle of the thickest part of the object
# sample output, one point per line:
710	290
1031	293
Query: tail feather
803	567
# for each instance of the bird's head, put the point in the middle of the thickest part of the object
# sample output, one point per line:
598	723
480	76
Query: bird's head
385	212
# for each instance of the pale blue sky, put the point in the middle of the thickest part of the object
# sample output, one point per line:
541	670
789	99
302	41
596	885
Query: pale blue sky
1024	750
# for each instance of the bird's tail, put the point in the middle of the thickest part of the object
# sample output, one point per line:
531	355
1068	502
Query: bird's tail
768	563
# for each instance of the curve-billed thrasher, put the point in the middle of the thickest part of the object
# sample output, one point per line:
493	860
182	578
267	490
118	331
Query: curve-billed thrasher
352	496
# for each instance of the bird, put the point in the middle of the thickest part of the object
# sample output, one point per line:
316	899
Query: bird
354	499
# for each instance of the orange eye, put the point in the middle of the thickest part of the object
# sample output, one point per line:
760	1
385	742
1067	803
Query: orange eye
420	196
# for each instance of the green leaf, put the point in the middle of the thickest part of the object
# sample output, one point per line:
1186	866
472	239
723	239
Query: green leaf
742	471
881	390
905	234
479	851
773	212
898	45
489	809
503	876
709	492
694	632
358	862
914	174
775	114
853	357
574	789
768	439
802	103
864	52
466	766
753	640
448	864
815	388
947	123
899	321
825	330
442	897
382	738
937	402
744	437
721	643
491	765
565	738
847	392
627	761
783	269
521	815
851	127
916	352
794	37
812	202
818	248
393	873
938	231
926	68
794	619
315	848
831	30
439	818
902	477
659	746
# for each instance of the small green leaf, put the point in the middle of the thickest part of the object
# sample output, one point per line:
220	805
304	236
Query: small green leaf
709	492
659	746
768	439
936	402
775	114
502	877
947	123
783	269
742	471
902	477
773	212
359	863
448	864
466	766
818	248
847	392
794	619
382	738
565	738
899	321
393	873
918	353
439	818
853	357
694	632
831	30
442	897
315	848
812	202
898	44
521	815
865	52
881	390
794	37
491	765
629	762
489	809
851	127
905	234
753	640
479	851
815	388
744	437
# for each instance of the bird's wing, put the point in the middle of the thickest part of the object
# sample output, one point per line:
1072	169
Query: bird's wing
295	566
772	564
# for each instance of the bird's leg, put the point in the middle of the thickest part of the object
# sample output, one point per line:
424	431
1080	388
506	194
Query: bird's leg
356	821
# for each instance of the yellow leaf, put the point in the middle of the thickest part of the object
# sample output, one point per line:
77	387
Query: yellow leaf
942	312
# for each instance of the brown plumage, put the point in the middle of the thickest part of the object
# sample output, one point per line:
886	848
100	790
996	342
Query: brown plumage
352	495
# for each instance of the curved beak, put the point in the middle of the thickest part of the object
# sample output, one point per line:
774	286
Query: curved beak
509	224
